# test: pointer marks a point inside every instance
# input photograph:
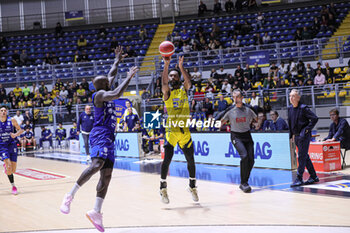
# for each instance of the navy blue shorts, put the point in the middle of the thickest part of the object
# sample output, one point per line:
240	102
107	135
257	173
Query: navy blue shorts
9	152
105	151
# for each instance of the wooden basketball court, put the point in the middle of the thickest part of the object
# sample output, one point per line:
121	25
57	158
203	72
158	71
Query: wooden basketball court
133	203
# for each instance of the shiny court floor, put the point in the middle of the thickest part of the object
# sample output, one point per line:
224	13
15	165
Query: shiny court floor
133	205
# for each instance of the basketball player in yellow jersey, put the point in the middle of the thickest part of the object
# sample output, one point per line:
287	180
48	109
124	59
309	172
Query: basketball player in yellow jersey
176	102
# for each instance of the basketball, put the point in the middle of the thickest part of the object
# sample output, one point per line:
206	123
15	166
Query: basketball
166	49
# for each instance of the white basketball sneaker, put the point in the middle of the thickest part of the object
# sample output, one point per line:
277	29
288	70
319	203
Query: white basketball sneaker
65	206
96	219
194	193
164	195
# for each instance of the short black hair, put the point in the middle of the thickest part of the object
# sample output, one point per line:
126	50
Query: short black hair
175	69
4	106
275	112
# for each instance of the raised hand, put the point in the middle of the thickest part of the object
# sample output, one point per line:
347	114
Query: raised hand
119	53
181	61
166	61
132	72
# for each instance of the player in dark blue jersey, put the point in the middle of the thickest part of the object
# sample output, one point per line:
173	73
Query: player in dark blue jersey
60	134
8	147
73	132
101	139
28	137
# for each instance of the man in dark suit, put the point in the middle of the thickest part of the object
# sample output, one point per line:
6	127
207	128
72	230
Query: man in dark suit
301	121
339	130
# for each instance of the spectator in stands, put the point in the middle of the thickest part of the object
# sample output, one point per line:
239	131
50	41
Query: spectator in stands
84	57
54	59
238	28
3	42
58	30
126	112
130	120
142	32
209	90
86	121
158	88
324	23
301	69
266	38
26	90
268	83
185	37
226	88
196	77
309	72
235	42
130	52
82	42
246	28
328	68
3	97
114	44
332	23
22	104
146	95
306	34
81	93
84	84
58	99
186	48
255	102
273	70
262	123
42	88
256	73
239	70
282	84
229	6
73	132
3	64
177	40
195	106
298	35
47	59
217	7
252	5
277	123
207	107
316	26
17	90
202	8
28	117
46	135
332	10
16	58
221	105
339	130
48	100
247	72
246	85
19	117
102	33
60	134
259	21
2	89
23	58
292	70
59	84
324	11
215	29
239	5
319	79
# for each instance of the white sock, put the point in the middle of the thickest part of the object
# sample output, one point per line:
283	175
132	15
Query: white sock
74	189
98	204
13	184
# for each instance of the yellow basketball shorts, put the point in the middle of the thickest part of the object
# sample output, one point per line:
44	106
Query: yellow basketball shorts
181	137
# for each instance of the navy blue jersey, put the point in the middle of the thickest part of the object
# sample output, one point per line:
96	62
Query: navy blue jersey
73	133
61	133
45	133
28	135
86	122
6	128
104	125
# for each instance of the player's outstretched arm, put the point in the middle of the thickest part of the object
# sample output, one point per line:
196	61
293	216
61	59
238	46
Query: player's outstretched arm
18	128
165	79
119	56
187	77
102	96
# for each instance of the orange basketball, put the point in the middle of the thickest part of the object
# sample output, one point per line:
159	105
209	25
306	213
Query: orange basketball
166	49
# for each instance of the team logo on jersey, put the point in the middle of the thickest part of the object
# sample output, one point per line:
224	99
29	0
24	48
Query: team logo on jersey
152	120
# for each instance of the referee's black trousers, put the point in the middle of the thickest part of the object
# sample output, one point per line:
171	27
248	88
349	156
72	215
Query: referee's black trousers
245	149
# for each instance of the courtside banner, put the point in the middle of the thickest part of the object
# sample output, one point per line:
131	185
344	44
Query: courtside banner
260	57
120	107
126	144
272	150
270	1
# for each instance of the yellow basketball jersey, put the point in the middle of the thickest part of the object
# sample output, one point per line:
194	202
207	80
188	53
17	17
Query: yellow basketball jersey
177	108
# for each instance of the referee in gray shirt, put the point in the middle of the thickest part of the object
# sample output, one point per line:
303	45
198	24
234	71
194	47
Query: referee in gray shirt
240	118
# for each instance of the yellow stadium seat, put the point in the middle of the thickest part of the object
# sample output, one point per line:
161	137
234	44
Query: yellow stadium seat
345	70
257	84
203	89
337	70
342	93
347	85
286	82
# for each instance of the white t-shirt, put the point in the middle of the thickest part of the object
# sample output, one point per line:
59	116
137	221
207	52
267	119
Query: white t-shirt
19	119
293	68
196	76
254	102
64	94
